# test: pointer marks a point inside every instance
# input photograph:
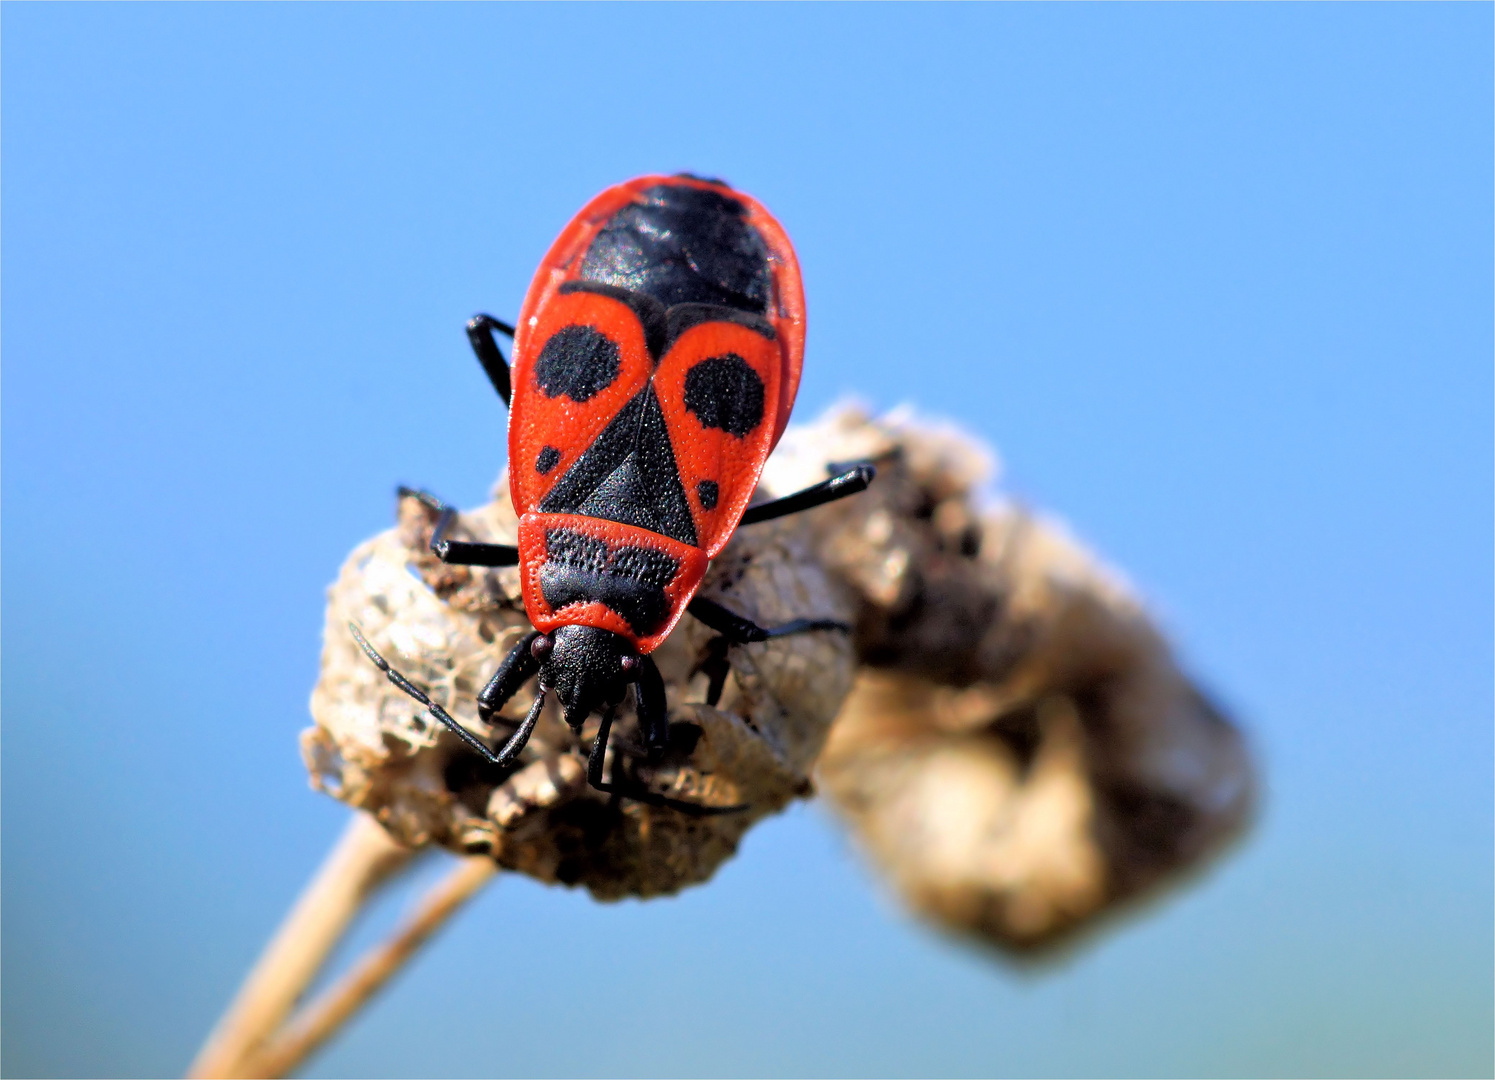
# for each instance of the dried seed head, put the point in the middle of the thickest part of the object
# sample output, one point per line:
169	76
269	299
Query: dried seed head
447	628
1019	754
1021	751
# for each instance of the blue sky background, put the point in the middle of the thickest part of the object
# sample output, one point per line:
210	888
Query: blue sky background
1215	279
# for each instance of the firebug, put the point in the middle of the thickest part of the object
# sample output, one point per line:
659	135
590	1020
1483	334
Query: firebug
656	361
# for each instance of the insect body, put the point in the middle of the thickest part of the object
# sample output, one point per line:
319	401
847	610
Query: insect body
656	362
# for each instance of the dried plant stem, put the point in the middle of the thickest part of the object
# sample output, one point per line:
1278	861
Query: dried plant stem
320	1019
363	858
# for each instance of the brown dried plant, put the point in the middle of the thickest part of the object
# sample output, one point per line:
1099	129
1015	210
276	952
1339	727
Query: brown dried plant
1005	732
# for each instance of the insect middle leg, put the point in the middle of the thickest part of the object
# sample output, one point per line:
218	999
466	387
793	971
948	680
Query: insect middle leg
739	630
846	483
459	552
716	667
735	629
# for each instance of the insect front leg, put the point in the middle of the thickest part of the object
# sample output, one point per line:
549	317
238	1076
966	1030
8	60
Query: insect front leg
598	755
517	668
516	742
598	758
653	708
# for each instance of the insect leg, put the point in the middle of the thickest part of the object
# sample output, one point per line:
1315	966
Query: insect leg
716	667
653	709
460	552
853	480
480	333
741	631
435	710
598	756
516	741
517	668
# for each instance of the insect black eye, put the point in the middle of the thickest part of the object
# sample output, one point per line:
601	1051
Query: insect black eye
540	647
629	664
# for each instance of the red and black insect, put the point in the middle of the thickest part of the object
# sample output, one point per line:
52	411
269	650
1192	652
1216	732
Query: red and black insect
656	361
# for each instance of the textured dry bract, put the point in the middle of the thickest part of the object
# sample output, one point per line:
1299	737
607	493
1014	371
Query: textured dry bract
447	628
1018	751
1021	750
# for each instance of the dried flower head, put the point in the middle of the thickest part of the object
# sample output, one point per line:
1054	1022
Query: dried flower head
447	627
1021	751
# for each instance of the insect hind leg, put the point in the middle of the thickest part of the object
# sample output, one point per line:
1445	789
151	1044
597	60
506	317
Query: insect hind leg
480	329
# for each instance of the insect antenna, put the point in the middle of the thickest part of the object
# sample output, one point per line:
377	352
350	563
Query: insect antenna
438	712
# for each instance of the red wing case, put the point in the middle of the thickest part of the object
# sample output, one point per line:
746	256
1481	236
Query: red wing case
655	365
638	236
716	386
592	361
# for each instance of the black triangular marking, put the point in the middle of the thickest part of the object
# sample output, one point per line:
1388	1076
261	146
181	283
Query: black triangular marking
629	475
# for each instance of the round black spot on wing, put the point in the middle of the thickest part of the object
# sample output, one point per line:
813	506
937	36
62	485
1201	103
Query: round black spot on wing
725	393
708	493
549	457
578	361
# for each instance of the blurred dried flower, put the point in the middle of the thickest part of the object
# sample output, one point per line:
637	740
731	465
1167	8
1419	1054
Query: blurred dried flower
1016	748
447	628
1021	751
